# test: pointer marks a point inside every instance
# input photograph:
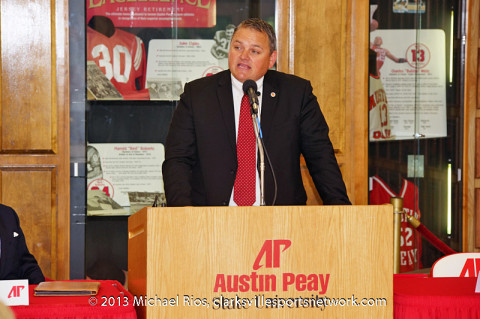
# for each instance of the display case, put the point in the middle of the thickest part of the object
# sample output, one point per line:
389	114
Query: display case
415	120
136	56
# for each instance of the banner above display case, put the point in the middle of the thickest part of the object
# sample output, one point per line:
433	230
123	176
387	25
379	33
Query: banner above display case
156	14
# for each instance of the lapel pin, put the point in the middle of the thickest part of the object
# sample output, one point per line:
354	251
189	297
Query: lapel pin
273	94
15	234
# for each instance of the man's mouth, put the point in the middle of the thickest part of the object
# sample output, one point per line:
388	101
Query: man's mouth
243	66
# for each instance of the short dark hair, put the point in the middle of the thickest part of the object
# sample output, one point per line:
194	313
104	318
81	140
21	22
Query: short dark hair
230	26
261	26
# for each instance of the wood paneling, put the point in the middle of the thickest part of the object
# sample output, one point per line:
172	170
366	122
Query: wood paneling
471	143
35	206
477	148
478	76
34	117
356	101
319	50
477	217
26	77
326	42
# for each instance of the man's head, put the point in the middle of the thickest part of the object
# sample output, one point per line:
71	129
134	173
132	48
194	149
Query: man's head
378	41
229	31
252	50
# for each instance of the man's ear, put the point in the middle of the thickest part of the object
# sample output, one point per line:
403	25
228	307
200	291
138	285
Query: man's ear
273	59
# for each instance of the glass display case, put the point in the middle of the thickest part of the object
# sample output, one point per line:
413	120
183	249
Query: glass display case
136	57
415	120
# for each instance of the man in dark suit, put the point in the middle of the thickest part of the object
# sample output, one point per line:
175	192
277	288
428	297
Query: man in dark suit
201	165
16	262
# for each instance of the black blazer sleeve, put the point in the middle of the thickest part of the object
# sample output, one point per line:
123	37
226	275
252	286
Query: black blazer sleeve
181	154
318	152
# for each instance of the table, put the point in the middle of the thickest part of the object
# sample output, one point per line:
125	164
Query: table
420	296
111	302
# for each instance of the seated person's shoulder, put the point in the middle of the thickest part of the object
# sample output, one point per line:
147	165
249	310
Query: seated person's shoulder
7	213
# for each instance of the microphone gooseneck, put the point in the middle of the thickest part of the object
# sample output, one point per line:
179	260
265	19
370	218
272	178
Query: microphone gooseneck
250	89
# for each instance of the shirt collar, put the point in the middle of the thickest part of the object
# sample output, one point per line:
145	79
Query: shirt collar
238	86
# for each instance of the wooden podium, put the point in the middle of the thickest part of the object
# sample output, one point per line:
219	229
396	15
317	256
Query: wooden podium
262	262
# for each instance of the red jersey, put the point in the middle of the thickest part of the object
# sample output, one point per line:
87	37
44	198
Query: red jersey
410	243
121	58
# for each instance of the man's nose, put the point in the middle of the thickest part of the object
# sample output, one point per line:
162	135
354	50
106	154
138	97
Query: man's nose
244	55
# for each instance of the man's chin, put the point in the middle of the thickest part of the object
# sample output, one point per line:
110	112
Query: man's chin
242	77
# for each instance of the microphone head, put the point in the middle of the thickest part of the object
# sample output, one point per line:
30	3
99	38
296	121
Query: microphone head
249	84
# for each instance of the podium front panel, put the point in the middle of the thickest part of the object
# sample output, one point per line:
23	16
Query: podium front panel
262	262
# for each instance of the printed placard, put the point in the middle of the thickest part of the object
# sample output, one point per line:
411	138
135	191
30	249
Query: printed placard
14	292
117	169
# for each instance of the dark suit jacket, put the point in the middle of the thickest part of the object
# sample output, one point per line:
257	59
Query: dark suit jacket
200	156
16	262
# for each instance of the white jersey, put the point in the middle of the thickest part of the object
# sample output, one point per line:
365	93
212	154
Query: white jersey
379	121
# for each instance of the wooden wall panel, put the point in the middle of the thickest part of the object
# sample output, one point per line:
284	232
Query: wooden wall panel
326	42
478	76
34	121
477	148
476	234
26	76
35	206
477	217
471	144
319	48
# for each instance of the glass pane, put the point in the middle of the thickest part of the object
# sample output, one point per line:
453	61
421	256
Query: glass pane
415	131
138	56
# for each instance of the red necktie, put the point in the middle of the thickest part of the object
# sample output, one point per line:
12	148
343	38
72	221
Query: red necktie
244	188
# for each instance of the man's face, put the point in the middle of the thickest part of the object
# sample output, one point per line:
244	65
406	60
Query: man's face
378	41
249	56
229	33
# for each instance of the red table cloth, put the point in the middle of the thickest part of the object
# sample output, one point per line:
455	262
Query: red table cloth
111	302
420	296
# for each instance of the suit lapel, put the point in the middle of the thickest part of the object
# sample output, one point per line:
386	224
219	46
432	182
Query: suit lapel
269	103
225	102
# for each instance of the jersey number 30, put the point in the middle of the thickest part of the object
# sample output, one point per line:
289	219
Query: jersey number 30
113	67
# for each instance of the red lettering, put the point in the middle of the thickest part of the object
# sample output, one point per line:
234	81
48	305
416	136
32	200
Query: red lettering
220	283
313	282
244	285
288	279
301	282
271	249
469	268
371	103
15	291
267	251
276	250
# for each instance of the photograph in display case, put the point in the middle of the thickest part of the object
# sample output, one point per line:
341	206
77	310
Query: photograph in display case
141	63
124	171
98	86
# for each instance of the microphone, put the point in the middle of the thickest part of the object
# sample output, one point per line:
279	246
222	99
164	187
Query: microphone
250	89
